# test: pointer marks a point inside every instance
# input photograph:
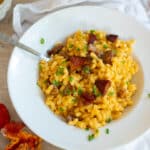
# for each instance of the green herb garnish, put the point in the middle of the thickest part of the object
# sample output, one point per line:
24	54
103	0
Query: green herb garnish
40	67
80	91
97	131
60	71
42	41
91	137
56	83
67	91
37	83
105	46
108	120
87	129
148	95
64	62
95	91
70	79
92	31
86	69
85	48
71	46
78	49
61	109
107	131
127	82
74	100
111	93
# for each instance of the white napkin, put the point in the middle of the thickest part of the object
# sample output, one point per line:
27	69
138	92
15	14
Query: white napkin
26	14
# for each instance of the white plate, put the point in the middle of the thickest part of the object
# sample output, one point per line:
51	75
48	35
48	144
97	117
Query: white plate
27	97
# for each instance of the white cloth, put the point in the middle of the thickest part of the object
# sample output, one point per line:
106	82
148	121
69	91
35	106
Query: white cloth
26	14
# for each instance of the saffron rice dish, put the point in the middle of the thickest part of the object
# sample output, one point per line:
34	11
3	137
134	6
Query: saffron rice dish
88	80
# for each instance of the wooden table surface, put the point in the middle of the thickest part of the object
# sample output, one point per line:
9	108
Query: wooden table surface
5	52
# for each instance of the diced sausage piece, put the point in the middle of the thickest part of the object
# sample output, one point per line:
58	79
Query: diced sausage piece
92	38
107	57
88	98
121	93
103	85
112	37
77	62
55	49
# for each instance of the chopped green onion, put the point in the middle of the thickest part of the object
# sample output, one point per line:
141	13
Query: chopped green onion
105	46
71	46
42	41
78	49
148	95
40	67
127	82
67	91
97	131
74	100
111	93
95	91
108	120
86	69
37	83
92	31
107	131
70	79
56	83
60	71
61	109
91	137
85	48
87	129
64	62
80	91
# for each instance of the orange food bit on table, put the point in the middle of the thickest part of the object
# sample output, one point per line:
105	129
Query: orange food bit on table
4	115
20	139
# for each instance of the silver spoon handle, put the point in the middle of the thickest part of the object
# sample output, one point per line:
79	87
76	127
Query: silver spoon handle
13	42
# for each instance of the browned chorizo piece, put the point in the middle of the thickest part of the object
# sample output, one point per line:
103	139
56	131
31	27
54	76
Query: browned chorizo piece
121	93
92	38
112	37
78	62
107	57
103	85
88	98
55	49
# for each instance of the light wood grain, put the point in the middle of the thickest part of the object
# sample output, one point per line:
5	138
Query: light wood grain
5	53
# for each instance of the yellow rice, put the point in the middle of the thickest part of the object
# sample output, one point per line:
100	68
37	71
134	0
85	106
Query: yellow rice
103	108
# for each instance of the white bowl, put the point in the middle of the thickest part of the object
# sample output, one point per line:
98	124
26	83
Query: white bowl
28	100
4	7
